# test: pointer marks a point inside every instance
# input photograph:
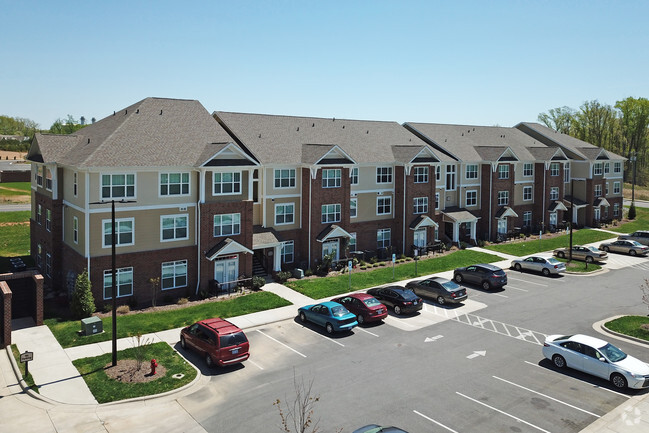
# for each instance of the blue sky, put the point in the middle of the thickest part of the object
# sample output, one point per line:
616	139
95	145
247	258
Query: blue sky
461	62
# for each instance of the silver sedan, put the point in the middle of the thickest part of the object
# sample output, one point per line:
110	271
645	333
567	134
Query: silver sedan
633	248
546	265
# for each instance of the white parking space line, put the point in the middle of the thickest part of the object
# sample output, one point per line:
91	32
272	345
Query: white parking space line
546	396
502	412
279	342
436	422
501	328
255	364
516	288
366	331
525	281
498	294
581	381
332	340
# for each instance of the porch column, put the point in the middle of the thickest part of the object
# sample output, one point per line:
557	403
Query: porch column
474	226
277	258
456	232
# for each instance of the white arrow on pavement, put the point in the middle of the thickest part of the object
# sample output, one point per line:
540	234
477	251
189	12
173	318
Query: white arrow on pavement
429	339
478	353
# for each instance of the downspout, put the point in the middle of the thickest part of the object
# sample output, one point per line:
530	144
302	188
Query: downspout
197	229
490	198
403	222
310	206
544	192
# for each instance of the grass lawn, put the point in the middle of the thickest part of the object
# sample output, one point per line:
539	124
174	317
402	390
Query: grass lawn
106	389
318	288
129	325
29	380
14	236
531	246
641	221
579	266
9	189
630	325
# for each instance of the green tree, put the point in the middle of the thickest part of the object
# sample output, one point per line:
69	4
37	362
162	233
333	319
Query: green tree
560	119
68	126
594	123
82	303
634	124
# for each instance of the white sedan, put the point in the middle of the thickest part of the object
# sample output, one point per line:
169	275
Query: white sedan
597	357
546	265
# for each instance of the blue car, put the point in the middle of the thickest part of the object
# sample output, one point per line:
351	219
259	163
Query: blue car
333	316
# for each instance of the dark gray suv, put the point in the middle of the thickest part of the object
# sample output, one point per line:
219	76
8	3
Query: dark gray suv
485	275
641	236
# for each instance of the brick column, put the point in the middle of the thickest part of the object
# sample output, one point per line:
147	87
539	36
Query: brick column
38	298
5	292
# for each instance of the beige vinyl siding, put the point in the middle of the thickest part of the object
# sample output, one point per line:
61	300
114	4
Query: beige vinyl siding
270	213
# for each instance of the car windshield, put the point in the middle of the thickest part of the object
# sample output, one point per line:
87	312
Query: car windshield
553	261
612	353
233	339
339	311
636	244
450	285
593	249
371	302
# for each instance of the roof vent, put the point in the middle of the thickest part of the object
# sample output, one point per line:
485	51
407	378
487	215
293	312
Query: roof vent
113	113
88	141
259	135
298	128
474	129
343	126
161	112
334	119
367	132
445	140
312	125
137	111
125	111
463	134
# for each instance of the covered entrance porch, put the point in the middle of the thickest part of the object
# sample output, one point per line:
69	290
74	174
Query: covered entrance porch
460	225
226	256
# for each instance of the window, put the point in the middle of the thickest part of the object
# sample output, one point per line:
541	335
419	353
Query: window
48	264
383	174
353	208
284	213
598	190
48	179
354	176
288	251
528	169
227	224
566	172
503	171
39	214
117	186
616	187
503	198
554	193
617	167
436	200
174	275
607	167
527	218
527	193
438	173
383	205
606	189
285	178
597	169
421	174
331	178
174	184
75	230
450	177
123	282
227	183
48	220
383	238
39	257
174	227
472	198
124	232
421	204
330	213
472	171
75	183
616	209
554	169
39	175
352	242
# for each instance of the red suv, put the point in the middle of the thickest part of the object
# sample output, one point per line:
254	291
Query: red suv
219	341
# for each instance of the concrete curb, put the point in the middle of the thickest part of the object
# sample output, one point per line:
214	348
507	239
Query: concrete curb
21	381
621	336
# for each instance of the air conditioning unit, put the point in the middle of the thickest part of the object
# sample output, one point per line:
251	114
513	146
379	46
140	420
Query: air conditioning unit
92	325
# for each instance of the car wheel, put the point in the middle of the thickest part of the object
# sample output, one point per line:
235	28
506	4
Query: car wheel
561	254
546	272
209	361
183	343
360	319
559	361
458	278
632	252
618	381
441	300
486	285
518	267
303	317
589	259
397	310
607	249
330	328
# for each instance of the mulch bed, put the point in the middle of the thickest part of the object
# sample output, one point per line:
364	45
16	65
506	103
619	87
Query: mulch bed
126	371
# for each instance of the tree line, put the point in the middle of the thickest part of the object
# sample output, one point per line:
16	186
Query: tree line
22	127
622	129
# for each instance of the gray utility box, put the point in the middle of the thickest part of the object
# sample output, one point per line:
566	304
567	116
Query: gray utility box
298	273
92	325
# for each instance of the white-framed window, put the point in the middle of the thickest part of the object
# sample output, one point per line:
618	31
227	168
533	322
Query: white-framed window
598	190
438	173
528	169
75	229
420	205
228	183
527	193
39	257
450	177
383	174
123	282
472	171
285	178
597	168
48	220
330	213
554	193
124	232
566	172
39	175
288	251
384	205
48	179
174	227
353	207
174	184
554	169
383	238
353	176
503	171
117	186
284	213
527	218
503	198
331	177
467	229
48	264
421	174
352	242
227	224
174	275
616	188
607	167
617	167
606	189
437	201
39	214
75	184
616	209
471	197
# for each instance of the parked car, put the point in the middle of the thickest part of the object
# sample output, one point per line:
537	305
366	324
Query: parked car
486	275
641	236
546	265
439	289
366	307
597	357
588	254
633	248
219	341
373	428
400	299
331	315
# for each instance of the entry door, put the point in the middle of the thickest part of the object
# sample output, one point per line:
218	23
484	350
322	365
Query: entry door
502	226
553	219
597	213
420	238
330	247
226	272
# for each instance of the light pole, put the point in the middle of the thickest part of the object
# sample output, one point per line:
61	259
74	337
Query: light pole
633	160
572	204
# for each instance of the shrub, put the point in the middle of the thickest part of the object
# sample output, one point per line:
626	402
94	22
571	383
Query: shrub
106	308
182	301
308	272
82	303
632	212
363	267
258	282
282	277
123	309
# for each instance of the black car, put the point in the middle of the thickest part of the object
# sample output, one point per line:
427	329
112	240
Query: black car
483	274
400	299
374	428
439	289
